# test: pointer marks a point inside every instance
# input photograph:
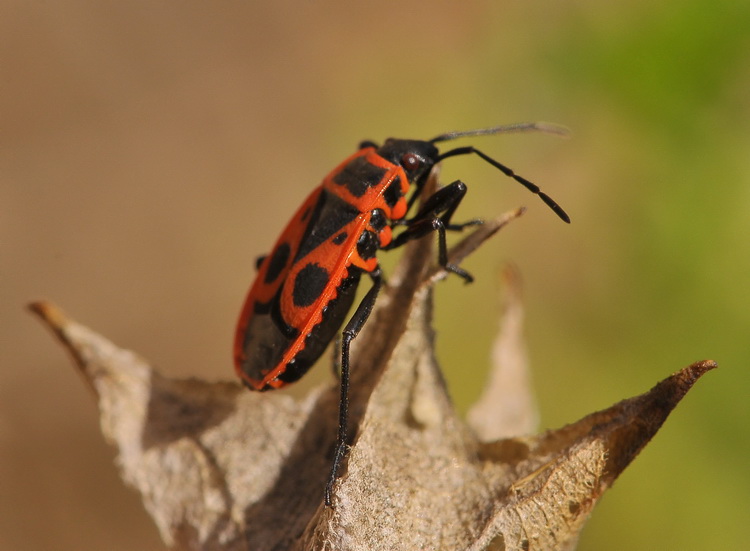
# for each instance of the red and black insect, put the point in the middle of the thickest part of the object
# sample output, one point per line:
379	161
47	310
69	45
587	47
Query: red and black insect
306	285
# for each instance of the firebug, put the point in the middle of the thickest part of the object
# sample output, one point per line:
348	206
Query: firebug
306	285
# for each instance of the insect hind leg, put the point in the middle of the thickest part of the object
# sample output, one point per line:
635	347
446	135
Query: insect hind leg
350	332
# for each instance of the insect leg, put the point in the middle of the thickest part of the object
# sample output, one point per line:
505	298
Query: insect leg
435	215
440	205
350	332
446	201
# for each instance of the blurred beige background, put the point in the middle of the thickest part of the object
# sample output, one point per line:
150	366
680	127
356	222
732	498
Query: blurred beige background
150	151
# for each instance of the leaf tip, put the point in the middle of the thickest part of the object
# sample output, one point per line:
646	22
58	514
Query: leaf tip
49	313
678	384
55	319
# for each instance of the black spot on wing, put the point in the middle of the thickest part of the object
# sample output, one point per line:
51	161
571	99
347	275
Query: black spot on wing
340	238
393	193
277	263
333	213
334	314
259	261
309	284
359	175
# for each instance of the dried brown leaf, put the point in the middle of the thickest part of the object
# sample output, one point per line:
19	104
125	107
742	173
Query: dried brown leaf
222	468
507	406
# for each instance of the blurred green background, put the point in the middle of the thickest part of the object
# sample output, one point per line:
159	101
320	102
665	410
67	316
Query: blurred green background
149	152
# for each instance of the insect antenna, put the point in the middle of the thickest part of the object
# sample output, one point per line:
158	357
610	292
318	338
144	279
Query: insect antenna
545	127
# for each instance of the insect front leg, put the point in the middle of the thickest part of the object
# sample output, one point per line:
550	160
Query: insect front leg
350	332
435	216
445	201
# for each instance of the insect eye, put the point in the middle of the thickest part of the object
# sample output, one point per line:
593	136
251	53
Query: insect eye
410	161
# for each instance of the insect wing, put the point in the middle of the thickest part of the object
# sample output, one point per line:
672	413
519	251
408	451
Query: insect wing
260	340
